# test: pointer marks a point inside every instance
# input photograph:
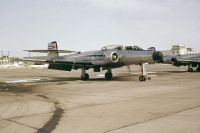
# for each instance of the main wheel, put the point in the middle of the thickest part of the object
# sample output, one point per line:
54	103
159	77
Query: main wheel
198	69
84	76
108	76
142	78
190	69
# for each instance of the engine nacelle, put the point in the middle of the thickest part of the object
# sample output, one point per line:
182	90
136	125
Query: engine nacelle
157	56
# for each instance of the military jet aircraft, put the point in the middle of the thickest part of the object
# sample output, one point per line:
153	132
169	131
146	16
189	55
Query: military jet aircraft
108	58
191	60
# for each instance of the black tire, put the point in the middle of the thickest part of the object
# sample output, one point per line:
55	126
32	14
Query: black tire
198	69
142	78
85	76
190	70
108	76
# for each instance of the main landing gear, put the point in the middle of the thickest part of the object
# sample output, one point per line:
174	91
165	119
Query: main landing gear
143	76
108	74
84	75
191	68
198	68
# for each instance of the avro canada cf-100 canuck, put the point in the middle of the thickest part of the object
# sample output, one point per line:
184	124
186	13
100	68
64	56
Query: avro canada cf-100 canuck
108	58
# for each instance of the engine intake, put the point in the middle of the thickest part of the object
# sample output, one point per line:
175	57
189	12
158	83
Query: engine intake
115	57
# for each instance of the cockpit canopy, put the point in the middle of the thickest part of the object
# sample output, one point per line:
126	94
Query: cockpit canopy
121	47
134	48
112	47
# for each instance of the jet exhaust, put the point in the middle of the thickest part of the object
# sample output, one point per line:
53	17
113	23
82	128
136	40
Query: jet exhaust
157	56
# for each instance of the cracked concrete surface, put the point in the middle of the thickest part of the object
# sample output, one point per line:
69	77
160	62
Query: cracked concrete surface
60	102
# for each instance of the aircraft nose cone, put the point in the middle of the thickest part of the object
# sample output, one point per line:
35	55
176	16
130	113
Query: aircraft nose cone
157	56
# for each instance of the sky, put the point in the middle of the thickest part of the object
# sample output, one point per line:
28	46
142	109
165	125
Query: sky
91	24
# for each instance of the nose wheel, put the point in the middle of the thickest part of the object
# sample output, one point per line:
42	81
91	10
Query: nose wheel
142	78
144	75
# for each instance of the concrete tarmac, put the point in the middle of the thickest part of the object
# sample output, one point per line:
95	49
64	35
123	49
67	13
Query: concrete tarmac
40	100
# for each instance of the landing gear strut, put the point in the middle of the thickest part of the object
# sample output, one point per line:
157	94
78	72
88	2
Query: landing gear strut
198	68
84	75
194	67
190	69
108	74
143	76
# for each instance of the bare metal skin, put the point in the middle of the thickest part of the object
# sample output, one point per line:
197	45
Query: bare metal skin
105	59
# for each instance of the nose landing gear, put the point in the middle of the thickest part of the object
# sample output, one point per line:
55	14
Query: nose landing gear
143	76
84	75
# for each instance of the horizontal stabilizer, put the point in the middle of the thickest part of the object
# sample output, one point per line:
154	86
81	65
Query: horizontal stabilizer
52	48
47	51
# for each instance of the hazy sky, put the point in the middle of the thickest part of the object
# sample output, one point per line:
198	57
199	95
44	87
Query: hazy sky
90	24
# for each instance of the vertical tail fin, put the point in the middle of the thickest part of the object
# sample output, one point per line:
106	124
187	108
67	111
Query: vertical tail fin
53	45
53	49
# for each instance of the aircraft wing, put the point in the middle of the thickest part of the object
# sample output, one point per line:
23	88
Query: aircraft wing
69	62
54	61
33	60
47	51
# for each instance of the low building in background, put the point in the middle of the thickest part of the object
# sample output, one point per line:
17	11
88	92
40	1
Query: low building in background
180	49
